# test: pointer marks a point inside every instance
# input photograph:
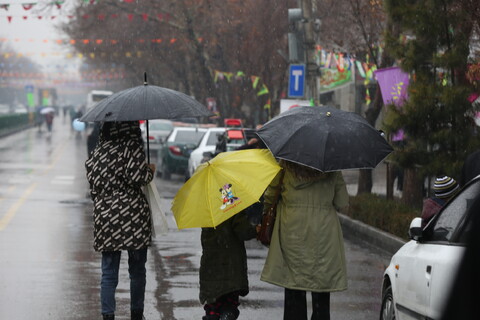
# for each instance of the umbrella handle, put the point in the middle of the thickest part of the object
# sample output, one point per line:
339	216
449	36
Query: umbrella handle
146	122
148	144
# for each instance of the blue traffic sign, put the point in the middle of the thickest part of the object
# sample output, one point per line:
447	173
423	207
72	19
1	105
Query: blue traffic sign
296	81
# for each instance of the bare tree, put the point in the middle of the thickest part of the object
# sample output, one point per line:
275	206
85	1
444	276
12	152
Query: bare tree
209	35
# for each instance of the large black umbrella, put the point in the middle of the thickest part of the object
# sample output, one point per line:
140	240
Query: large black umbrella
145	102
324	138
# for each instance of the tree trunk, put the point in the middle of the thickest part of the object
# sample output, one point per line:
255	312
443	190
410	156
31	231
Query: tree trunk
365	181
412	188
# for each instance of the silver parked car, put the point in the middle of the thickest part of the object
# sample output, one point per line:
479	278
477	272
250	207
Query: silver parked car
158	131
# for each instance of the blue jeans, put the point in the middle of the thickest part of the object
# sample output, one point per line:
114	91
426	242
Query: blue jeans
137	272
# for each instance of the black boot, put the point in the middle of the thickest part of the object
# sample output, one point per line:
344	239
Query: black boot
229	313
137	315
108	316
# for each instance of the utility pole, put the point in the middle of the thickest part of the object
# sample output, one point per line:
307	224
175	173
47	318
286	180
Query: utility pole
311	27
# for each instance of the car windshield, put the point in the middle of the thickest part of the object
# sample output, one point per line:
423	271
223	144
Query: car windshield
189	136
450	218
160	126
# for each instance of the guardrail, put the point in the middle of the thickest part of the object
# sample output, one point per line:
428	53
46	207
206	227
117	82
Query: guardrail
10	123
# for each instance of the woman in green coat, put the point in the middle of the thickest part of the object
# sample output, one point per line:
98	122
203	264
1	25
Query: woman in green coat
307	252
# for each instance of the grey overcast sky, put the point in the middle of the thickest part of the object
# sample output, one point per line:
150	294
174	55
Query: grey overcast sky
32	36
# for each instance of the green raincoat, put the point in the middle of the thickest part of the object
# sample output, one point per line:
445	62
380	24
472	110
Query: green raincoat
307	251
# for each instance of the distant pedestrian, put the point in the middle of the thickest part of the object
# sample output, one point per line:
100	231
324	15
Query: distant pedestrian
471	168
444	189
49	120
39	118
116	172
73	116
307	251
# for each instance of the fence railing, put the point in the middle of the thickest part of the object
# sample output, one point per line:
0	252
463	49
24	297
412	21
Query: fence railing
10	123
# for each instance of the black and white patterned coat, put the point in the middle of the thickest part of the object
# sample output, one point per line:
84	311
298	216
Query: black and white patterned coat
116	172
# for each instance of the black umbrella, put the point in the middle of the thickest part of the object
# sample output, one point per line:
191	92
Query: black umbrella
145	102
324	138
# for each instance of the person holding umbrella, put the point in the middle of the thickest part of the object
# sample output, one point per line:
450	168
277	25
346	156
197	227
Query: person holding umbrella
307	251
223	267
217	198
116	171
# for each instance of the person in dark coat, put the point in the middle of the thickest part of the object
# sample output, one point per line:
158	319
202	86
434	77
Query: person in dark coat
223	267
444	189
117	171
49	120
471	168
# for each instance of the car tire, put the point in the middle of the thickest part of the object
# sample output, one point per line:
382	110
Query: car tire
387	311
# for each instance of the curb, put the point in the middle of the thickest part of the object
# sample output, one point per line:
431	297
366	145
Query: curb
375	237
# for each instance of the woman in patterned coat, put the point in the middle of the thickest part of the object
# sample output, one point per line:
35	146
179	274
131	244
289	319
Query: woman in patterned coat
116	171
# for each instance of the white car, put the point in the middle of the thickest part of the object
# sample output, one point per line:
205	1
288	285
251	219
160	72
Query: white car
207	144
419	277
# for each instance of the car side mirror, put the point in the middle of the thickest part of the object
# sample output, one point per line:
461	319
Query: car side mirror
415	231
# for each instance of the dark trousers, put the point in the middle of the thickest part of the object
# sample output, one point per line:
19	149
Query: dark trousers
137	272
295	305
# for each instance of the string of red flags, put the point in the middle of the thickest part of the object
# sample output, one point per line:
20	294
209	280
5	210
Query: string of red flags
58	4
90	55
93	41
164	17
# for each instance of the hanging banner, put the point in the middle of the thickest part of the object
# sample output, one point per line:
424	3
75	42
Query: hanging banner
393	84
332	78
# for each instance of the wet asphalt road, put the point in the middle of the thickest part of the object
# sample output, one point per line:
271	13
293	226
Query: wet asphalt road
48	269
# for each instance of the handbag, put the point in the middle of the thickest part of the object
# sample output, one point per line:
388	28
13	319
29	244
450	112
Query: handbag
268	218
158	218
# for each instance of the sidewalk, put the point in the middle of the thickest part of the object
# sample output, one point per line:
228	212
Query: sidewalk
379	181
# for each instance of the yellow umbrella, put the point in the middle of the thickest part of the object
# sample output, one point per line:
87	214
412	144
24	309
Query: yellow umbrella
223	186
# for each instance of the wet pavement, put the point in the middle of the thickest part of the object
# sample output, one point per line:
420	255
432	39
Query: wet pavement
49	270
